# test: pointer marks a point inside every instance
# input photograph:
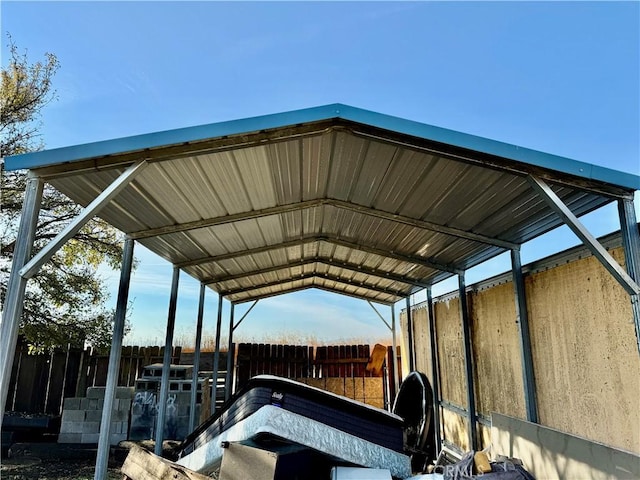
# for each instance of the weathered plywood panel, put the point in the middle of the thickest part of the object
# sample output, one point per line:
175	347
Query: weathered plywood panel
584	348
587	366
496	352
450	352
456	429
422	342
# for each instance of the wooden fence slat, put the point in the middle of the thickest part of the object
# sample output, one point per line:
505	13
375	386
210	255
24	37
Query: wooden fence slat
15	374
55	381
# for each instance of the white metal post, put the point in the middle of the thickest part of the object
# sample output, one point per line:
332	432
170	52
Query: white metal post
14	300
394	349
196	361
102	458
166	363
435	369
468	362
631	244
526	356
216	358
410	353
229	378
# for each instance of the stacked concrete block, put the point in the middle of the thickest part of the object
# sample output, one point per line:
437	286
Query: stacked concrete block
144	411
81	416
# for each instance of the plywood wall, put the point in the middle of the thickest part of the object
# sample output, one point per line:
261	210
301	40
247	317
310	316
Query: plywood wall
587	366
586	361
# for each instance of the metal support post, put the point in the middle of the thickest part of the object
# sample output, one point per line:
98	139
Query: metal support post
166	363
410	353
216	358
14	300
229	377
468	362
102	457
196	361
435	369
394	349
631	244
522	320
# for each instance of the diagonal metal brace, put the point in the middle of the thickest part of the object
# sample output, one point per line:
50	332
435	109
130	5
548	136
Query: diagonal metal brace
31	268
545	191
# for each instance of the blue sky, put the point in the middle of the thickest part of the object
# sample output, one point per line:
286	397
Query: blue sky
557	77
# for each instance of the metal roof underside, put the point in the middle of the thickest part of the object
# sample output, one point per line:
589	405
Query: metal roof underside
333	197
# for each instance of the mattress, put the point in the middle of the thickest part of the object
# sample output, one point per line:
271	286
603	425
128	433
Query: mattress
350	431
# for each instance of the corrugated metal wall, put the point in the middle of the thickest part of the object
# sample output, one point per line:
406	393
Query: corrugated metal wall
586	363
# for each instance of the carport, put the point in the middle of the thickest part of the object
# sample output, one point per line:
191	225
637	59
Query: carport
334	197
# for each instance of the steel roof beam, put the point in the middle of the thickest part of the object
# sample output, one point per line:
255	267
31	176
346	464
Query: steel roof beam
424	225
319	287
304	276
250	251
325	261
236	217
395	255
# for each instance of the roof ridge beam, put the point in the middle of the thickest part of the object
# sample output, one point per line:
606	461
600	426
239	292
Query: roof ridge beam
314	275
308	287
423	224
325	261
235	217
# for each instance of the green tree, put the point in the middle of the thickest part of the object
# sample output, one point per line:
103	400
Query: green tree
65	301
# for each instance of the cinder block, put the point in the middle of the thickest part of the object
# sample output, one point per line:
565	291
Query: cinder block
70	438
122	404
95	392
72	403
119	416
90	438
125	392
93	416
71	427
93	404
84	404
73	416
90	427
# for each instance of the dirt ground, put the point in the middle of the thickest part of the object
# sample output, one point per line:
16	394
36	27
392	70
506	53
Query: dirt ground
53	461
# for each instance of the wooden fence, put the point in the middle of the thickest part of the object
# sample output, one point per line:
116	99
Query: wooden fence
315	365
39	383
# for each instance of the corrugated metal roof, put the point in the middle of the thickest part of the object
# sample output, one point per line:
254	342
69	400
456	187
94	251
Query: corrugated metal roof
334	197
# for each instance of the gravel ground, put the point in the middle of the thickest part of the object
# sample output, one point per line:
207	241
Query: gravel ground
54	461
27	468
